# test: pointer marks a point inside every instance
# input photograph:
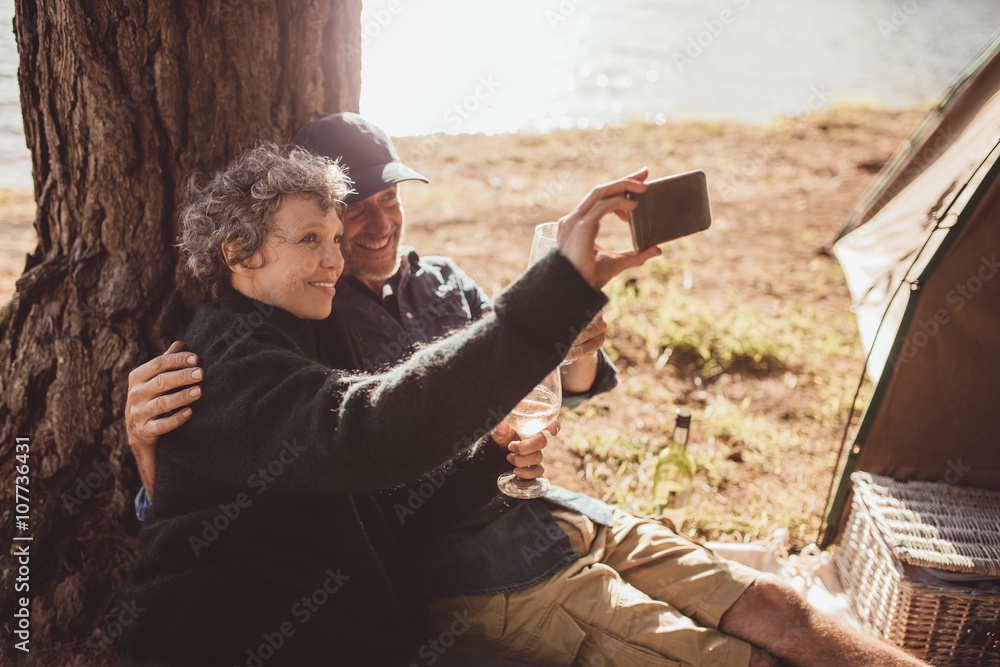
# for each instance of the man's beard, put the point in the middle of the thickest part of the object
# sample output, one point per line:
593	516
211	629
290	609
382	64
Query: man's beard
359	270
365	271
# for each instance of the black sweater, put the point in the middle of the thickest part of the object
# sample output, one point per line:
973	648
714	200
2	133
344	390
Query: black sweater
269	540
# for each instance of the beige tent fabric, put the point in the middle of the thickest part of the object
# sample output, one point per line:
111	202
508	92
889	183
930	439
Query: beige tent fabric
940	416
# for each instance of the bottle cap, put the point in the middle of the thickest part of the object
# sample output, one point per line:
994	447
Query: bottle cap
683	418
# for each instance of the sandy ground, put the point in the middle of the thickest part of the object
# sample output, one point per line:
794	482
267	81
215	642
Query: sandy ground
748	324
17	237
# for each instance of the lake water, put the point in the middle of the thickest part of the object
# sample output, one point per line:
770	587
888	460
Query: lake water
533	65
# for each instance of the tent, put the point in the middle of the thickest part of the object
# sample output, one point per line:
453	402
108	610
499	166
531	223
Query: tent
920	254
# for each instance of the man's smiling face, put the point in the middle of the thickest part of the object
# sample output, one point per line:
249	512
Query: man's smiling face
373	228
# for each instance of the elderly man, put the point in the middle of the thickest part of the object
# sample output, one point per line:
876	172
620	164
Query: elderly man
561	580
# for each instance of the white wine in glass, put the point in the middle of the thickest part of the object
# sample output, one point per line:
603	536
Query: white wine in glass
534	412
529	417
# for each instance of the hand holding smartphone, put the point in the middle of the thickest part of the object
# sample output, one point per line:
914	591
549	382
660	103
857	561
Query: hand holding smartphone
672	207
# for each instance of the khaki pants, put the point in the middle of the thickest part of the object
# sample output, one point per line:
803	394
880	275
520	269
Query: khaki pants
638	595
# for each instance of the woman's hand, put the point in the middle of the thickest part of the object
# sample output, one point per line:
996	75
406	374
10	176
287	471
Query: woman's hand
525	455
578	231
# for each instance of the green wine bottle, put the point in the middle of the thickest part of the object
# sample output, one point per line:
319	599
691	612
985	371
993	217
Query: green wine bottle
674	476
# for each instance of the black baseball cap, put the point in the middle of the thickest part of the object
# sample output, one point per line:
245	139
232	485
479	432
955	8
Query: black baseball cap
364	149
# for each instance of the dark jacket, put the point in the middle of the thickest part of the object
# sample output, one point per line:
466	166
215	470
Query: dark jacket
268	541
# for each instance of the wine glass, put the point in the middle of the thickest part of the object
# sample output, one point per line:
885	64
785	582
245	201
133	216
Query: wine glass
538	408
545	238
530	416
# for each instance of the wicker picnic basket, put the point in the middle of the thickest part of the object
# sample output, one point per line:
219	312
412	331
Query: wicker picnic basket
895	530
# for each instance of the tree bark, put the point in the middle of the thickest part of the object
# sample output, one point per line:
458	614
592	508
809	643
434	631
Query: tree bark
122	101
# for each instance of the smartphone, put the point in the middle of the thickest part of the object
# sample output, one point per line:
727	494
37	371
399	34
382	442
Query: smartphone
672	207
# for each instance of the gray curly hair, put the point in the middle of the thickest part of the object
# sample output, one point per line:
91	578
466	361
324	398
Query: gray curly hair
234	207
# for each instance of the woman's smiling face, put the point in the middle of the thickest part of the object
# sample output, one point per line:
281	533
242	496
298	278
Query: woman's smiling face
300	262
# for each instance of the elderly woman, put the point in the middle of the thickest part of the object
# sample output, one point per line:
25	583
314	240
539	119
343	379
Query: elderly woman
267	542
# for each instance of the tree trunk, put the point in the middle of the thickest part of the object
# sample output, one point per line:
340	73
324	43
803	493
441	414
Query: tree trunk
121	102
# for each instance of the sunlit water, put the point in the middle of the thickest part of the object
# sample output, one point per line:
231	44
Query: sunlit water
461	66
